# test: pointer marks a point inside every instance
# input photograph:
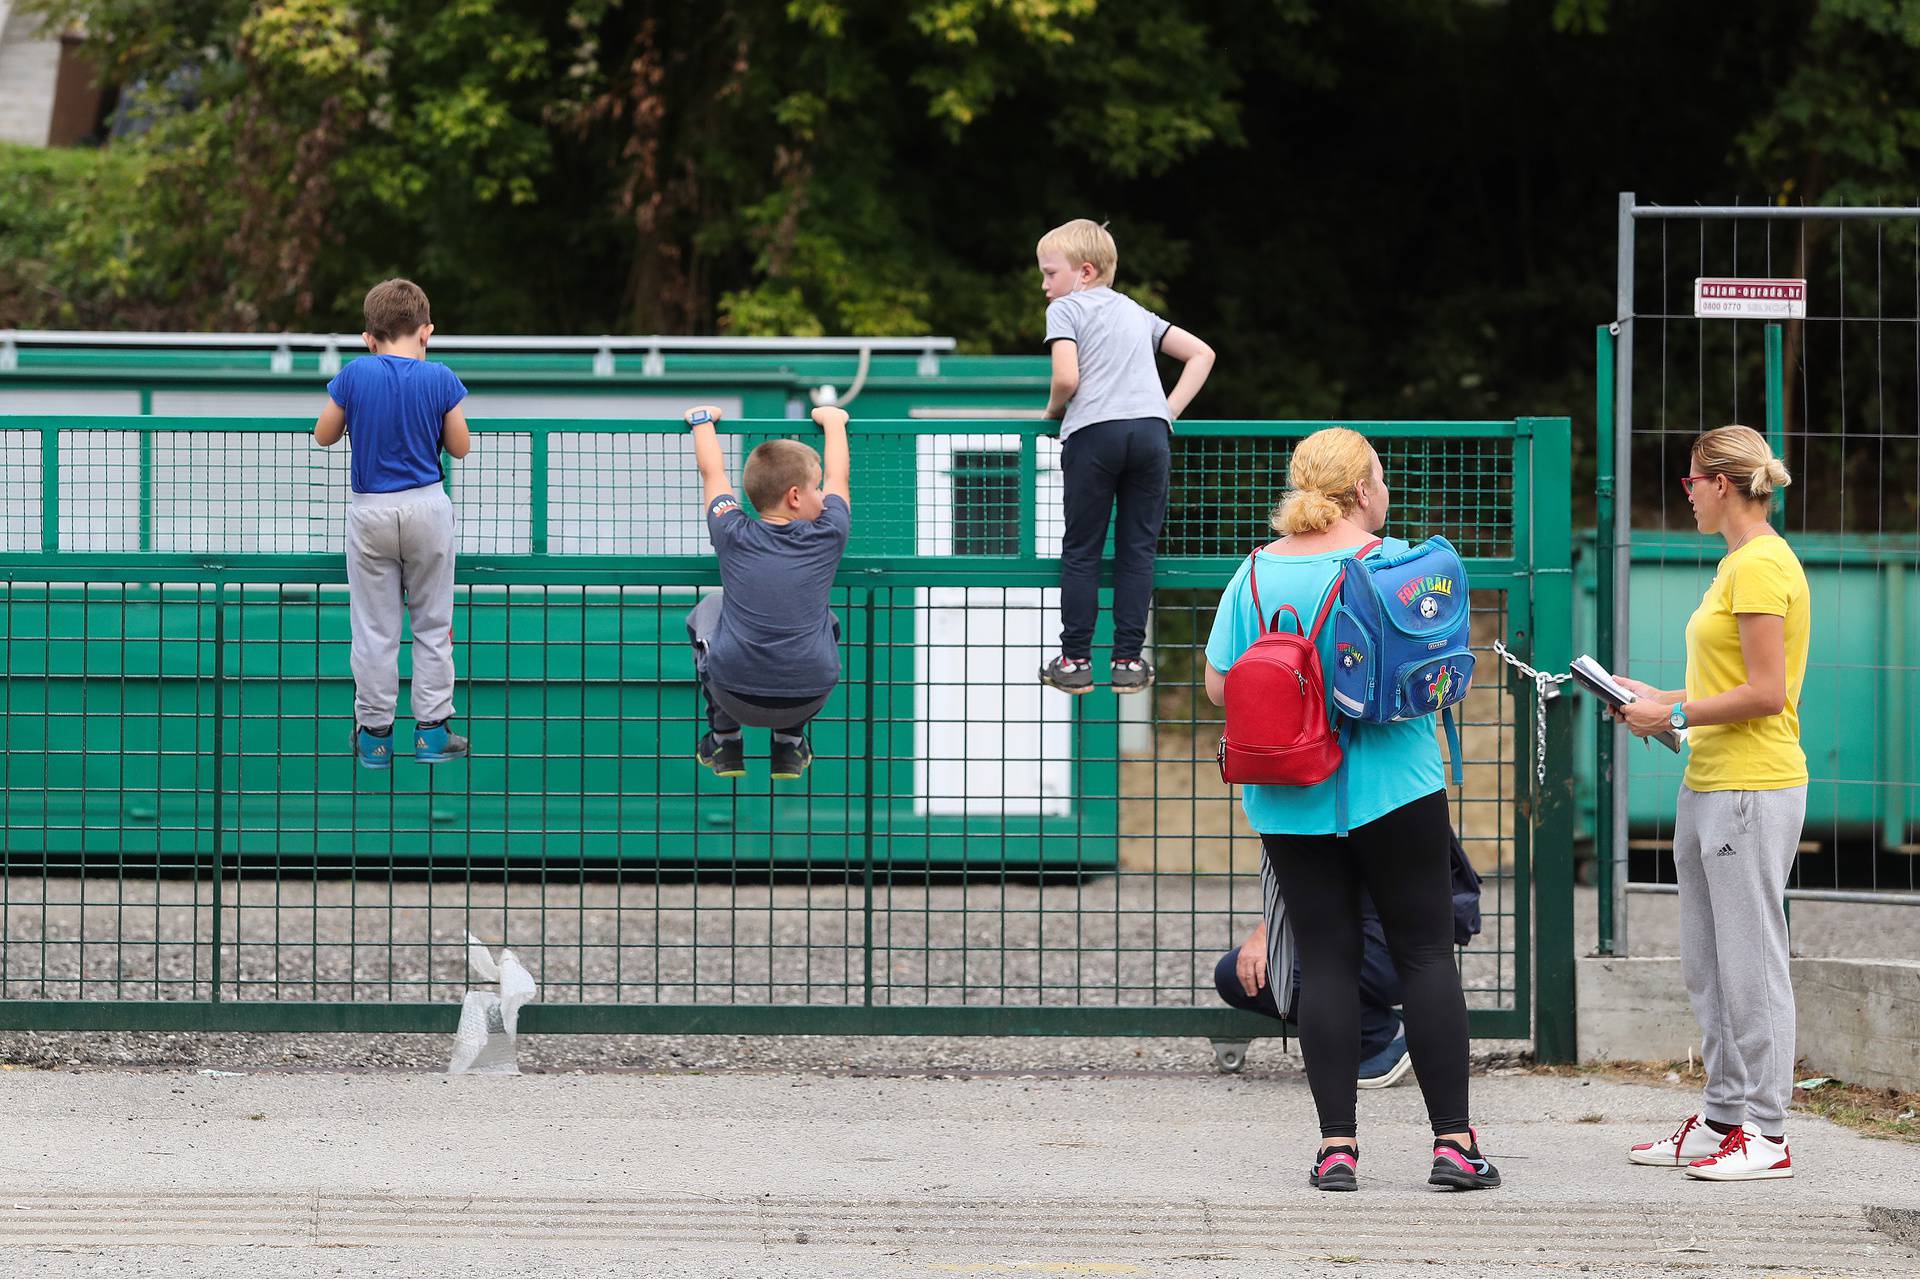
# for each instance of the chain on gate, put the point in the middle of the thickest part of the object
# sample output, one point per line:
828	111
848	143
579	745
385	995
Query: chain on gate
1546	687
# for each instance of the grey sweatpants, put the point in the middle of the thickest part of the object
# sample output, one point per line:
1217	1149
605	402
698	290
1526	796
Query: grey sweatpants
400	560
1733	851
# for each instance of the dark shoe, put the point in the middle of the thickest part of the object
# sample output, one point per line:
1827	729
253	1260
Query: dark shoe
1336	1169
1132	676
1387	1067
436	744
1462	1168
372	748
789	759
1068	675
725	756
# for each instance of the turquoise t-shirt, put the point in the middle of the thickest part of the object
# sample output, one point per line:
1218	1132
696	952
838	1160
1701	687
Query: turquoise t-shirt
1387	765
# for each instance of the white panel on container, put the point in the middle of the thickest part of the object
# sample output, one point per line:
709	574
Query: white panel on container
247	492
19	490
99	490
989	739
493	496
14	400
619	494
300	404
935	489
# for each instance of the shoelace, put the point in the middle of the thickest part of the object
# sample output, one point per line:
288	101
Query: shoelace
1734	1143
1679	1137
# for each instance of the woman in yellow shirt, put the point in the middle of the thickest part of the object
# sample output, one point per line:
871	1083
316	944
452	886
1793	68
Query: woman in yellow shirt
1741	807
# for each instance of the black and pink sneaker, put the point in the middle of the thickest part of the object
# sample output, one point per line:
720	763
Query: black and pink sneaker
1462	1167
1336	1169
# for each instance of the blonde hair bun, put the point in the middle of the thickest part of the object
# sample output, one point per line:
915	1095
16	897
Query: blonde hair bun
1323	480
1307	512
1743	455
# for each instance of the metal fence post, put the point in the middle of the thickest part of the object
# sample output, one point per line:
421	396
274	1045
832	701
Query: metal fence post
1551	536
1604	588
49	486
1616	650
866	823
219	773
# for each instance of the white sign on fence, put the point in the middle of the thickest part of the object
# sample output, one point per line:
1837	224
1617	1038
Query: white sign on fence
1739	299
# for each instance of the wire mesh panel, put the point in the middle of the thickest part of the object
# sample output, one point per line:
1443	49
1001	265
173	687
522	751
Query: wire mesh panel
185	824
1838	394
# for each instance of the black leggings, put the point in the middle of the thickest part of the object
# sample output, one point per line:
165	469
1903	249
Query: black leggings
1402	859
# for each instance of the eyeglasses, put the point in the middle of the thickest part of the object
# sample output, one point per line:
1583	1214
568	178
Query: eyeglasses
1688	481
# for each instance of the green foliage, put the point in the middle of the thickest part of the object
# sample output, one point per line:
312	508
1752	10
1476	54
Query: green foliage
1377	208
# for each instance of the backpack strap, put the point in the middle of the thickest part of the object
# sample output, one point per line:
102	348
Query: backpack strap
1253	582
1340	783
1333	592
1453	744
1340	774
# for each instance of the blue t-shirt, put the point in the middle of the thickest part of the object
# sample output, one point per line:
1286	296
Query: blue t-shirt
776	636
1387	765
394	407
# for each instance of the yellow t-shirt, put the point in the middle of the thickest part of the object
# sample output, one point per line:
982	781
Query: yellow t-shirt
1764	576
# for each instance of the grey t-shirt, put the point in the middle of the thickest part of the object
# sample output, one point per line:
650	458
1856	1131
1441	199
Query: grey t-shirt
776	633
1118	340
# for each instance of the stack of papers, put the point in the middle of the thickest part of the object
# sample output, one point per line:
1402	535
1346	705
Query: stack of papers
1599	681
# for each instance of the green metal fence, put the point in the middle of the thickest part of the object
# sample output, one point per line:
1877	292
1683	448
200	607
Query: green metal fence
1837	392
188	844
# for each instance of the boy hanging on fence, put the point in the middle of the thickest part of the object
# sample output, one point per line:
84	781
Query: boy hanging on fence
767	645
1115	422
400	411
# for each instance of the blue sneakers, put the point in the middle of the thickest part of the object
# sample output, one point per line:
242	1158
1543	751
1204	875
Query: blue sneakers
433	744
373	750
1387	1067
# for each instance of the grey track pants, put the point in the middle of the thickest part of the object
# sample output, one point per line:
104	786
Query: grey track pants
400	550
1733	851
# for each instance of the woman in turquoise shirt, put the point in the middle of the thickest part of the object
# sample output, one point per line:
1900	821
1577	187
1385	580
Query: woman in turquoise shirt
1398	846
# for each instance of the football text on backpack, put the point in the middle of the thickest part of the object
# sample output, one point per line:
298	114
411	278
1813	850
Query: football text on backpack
1278	731
1401	636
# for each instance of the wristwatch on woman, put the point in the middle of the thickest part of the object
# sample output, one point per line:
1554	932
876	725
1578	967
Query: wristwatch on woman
1678	719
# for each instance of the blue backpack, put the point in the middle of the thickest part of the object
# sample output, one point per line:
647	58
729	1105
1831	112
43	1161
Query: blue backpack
1401	638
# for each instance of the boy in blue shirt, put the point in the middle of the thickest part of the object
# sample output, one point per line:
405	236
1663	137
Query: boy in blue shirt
401	412
767	646
1116	424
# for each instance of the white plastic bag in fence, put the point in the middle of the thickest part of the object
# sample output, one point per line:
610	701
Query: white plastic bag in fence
488	1038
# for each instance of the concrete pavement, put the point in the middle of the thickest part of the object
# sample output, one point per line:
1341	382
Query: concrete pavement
1178	1173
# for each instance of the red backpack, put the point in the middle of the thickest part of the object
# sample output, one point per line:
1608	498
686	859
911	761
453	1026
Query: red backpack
1278	731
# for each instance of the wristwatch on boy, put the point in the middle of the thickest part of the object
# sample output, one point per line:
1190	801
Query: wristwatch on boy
701	416
1678	719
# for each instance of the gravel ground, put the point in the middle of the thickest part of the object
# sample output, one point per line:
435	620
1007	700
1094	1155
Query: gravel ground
1133	939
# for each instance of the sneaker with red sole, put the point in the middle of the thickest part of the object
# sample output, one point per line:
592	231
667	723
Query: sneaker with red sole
1744	1155
1690	1141
1336	1169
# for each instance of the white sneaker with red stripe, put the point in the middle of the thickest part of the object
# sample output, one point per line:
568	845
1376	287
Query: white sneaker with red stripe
1744	1155
1690	1141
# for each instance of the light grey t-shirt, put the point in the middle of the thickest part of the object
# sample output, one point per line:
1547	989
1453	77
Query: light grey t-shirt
1118	340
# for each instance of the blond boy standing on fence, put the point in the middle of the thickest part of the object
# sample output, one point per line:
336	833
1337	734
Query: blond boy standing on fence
1116	420
400	411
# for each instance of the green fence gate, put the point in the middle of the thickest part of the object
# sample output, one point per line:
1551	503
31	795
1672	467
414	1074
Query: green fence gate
188	844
